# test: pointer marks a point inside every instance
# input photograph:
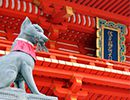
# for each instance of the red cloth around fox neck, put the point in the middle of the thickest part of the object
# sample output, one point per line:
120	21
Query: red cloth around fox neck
25	46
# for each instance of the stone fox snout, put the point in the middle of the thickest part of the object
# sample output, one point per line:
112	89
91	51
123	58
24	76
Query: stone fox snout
18	65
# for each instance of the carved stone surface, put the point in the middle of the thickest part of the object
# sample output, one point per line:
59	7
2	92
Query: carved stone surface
19	94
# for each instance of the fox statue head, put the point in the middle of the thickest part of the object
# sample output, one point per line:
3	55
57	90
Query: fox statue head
33	33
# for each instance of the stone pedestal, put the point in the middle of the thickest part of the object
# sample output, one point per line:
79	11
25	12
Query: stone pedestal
18	94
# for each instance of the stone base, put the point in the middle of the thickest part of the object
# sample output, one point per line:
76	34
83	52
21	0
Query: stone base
18	94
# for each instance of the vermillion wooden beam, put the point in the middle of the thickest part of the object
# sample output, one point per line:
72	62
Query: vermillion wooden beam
126	10
104	3
97	3
82	58
80	28
48	82
76	84
87	78
124	2
10	35
92	2
94	12
109	4
63	92
43	23
71	97
122	8
87	2
61	14
87	59
54	33
5	42
128	35
16	14
3	35
110	8
106	90
107	81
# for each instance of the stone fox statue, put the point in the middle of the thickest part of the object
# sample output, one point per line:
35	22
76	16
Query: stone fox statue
17	66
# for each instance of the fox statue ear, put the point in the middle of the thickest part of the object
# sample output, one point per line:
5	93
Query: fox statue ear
25	23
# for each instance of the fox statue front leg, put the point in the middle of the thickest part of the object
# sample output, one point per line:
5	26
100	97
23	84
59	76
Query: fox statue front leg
26	72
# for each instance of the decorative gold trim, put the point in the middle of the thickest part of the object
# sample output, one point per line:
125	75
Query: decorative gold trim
101	25
97	22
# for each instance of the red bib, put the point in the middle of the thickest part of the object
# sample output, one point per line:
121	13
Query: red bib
25	47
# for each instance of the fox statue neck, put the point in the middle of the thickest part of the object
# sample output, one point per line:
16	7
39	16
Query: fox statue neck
27	37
